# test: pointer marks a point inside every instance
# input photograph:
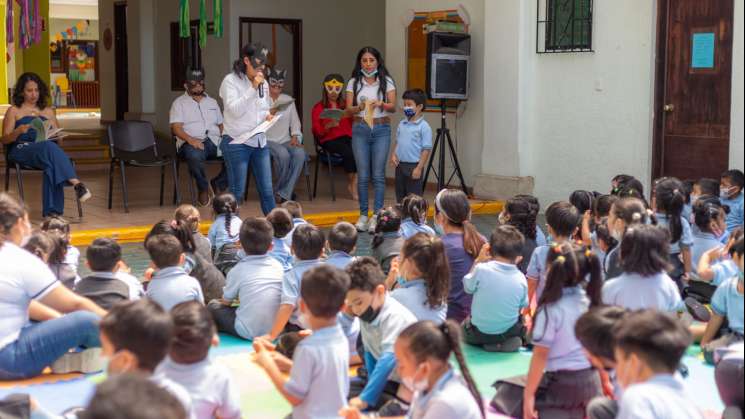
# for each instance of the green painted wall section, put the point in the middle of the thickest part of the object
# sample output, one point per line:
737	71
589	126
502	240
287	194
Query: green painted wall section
36	58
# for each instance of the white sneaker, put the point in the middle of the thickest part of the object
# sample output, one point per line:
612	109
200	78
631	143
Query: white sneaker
362	223
86	361
373	224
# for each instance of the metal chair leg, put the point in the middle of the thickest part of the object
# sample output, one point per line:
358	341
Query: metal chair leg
307	180
125	197
315	180
19	179
111	181
80	207
7	176
331	180
177	187
162	182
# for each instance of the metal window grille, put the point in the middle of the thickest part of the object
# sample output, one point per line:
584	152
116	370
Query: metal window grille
564	26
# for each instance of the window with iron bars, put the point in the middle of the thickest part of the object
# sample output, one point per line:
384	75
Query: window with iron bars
564	26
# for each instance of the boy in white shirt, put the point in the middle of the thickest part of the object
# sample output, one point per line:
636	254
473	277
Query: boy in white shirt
170	284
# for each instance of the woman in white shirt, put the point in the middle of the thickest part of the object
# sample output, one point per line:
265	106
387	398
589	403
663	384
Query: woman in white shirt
30	291
371	86
245	96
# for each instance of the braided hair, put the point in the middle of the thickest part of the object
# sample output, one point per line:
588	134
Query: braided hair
523	216
425	340
670	199
226	204
415	207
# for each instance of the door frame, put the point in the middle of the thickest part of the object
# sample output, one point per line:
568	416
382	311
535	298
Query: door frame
297	54
121	60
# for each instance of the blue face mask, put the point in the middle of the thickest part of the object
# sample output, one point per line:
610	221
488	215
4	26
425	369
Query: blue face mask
439	230
409	111
372	73
401	281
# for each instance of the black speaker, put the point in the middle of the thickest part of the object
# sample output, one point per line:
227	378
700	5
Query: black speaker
448	62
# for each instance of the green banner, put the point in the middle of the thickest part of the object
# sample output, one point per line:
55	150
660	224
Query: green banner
202	24
217	17
184	19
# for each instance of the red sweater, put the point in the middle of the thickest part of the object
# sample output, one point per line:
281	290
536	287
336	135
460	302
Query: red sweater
319	129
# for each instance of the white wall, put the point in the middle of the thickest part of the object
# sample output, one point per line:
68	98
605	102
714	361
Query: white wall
106	68
70	11
736	150
468	130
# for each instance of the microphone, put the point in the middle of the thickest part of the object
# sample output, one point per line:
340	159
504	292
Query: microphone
261	86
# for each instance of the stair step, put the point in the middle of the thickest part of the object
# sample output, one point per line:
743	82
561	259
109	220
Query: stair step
85	147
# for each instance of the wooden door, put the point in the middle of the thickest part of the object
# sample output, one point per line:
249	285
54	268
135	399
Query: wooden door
693	88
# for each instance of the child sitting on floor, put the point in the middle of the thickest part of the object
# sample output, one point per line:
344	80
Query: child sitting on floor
282	224
644	282
319	377
256	282
170	284
190	216
624	213
210	386
594	330
500	292
669	200
727	304
132	396
710	218
296	211
519	213
65	269
414	214
135	338
730	192
592	220
106	286
382	319
716	265
307	246
563	221
47	247
224	231
423	352
387	242
423	278
341	244
649	347
559	367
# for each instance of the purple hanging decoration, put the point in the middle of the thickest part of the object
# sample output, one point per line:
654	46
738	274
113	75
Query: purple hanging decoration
37	23
24	27
9	22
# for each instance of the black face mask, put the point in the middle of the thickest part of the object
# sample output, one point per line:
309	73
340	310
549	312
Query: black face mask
370	314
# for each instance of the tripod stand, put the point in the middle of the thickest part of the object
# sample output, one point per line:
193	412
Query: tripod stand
443	137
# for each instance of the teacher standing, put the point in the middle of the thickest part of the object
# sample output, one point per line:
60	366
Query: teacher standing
371	86
247	104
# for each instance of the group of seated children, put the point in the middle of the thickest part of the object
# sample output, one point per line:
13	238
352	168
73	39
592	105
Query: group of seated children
600	301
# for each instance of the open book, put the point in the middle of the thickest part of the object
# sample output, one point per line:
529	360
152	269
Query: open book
282	103
331	113
45	131
260	129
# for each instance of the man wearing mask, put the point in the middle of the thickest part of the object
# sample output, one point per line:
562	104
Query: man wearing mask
196	121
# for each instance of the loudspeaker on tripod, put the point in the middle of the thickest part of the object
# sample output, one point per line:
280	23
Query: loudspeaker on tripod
448	61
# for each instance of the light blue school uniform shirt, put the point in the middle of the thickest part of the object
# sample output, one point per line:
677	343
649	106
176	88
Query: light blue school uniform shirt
171	286
688	212
291	287
409	228
723	271
702	243
413	295
636	292
554	329
219	236
339	259
448	398
350	325
661	397
537	268
380	335
320	374
499	291
281	251
411	138
729	303
540	237
735	216
256	280
686	236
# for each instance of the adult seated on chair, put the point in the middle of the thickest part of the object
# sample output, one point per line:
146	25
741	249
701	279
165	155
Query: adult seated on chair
33	332
196	121
335	136
284	138
30	97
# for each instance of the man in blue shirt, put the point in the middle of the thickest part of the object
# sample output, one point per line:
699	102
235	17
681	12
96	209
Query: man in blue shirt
413	146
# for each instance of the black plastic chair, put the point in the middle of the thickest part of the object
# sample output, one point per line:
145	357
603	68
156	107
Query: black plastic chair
19	168
132	143
330	160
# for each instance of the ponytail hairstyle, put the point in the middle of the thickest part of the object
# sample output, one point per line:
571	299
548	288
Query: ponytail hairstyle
178	229
189	215
415	207
454	206
603	204
523	216
632	211
706	210
618	182
389	221
10	212
630	187
383	74
425	340
670	197
225	204
603	233
582	200
645	250
427	253
46	247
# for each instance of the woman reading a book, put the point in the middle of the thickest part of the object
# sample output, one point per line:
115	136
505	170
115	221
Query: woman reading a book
28	146
332	127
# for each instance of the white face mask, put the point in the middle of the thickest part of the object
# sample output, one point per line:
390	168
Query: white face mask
503	219
616	234
414	385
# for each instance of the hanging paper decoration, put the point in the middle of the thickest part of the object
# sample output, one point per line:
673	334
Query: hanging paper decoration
202	24
36	23
24	25
217	17
184	21
9	26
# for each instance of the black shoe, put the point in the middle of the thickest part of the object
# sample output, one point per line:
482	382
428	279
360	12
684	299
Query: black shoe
697	310
82	193
293	196
216	189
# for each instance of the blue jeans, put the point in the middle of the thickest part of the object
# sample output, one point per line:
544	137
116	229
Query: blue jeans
238	158
40	344
57	167
195	159
371	147
290	162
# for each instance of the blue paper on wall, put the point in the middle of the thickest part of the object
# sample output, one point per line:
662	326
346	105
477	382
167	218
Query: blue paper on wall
702	50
